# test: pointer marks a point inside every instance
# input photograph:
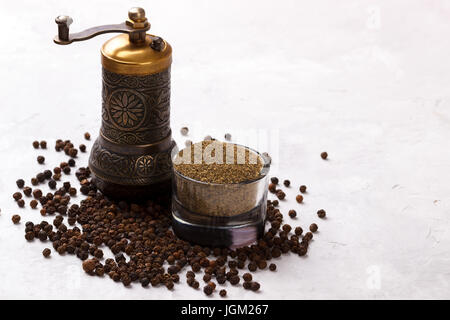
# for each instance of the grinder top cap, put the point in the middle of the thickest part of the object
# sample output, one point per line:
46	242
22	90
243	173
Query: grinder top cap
133	53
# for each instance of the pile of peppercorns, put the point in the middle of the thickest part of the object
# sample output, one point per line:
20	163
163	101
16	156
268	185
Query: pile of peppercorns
140	237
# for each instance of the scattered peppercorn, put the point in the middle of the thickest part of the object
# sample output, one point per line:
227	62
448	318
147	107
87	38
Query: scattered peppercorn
287	183
27	191
87	136
208	290
21	203
324	155
89	265
40	159
37	193
82	148
73	152
274	180
299	198
272	267
272	187
247	277
36	144
71	162
29	235
20	183
223	293
17	196
313	227
302	188
46	252
321	213
43	144
40	177
298	231
292	213
15	219
280	195
33	203
255	286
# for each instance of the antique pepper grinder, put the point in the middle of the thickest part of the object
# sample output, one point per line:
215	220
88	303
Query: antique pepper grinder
131	157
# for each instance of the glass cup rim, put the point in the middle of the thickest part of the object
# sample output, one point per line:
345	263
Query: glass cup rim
264	171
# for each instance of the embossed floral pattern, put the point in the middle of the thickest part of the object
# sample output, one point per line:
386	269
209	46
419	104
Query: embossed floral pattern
126	109
144	165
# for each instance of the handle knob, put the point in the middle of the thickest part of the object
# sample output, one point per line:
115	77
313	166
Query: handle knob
137	14
63	27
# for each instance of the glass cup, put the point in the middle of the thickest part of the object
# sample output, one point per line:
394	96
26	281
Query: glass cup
220	215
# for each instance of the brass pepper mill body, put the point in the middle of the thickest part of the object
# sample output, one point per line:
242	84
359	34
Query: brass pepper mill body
131	158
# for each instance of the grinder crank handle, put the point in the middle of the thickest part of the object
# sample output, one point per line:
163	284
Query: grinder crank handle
136	25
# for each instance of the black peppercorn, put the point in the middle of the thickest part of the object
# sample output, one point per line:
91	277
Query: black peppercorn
21	203
17	196
37	193
208	290
302	188
223	293
280	195
82	148
71	162
247	277
89	265
272	267
145	282
324	155
292	213
299	198
298	231
42	235
321	213
274	180
27	191
29	235
33	204
287	183
36	144
87	136
234	280
207	277
313	227
73	152
15	219
46	252
272	187
40	159
20	183
40	177
52	184
255	286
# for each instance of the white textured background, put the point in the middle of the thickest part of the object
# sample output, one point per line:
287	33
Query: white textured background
367	81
